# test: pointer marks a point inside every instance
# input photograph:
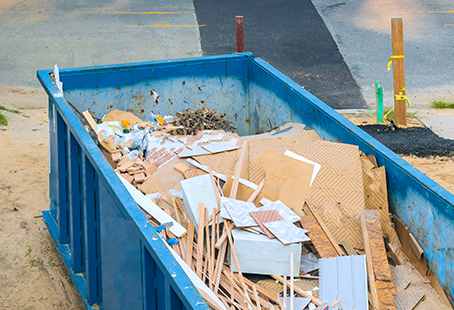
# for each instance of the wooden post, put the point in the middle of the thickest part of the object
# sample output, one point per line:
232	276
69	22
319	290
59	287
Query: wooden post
399	71
239	31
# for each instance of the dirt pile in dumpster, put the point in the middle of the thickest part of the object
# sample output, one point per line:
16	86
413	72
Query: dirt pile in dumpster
280	220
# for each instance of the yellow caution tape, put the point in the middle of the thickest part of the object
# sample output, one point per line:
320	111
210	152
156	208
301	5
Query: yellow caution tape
394	57
402	97
386	115
398	97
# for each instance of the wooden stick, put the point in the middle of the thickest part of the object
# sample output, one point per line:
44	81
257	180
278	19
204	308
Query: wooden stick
219	265
399	71
221	240
211	262
370	268
208	245
237	263
90	121
325	229
239	166
234	285
284	294
292	291
200	239
190	243
300	292
262	291
216	190
257	191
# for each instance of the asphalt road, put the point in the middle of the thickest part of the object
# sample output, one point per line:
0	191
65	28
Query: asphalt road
289	35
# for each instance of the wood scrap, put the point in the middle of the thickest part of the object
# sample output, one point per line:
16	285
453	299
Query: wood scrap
317	235
379	275
299	291
199	260
238	168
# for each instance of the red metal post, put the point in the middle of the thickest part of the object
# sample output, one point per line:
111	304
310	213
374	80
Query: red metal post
239	30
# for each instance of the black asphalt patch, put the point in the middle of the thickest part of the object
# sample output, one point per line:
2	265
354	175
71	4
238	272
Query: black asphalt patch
418	141
291	36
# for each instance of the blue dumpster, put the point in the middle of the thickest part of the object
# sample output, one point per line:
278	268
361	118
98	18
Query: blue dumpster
114	256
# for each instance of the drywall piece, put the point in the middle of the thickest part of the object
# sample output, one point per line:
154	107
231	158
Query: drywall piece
196	190
238	212
344	278
196	280
220	147
258	254
309	263
287	232
305	160
151	208
300	302
195	151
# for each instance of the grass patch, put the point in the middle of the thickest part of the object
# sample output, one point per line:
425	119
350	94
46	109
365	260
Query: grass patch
9	110
442	104
3	120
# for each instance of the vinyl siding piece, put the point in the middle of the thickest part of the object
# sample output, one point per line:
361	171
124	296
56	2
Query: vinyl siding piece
345	279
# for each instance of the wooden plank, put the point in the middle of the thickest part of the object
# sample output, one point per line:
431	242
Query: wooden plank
318	237
300	291
213	236
386	292
325	229
90	121
261	290
181	167
256	191
399	71
201	221
373	297
239	165
348	248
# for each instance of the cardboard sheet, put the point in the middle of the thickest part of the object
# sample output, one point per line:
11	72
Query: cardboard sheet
337	192
287	179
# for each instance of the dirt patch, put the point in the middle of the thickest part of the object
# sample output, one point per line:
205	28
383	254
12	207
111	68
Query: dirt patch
32	274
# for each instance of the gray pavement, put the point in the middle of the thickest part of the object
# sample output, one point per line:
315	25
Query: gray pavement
39	34
362	30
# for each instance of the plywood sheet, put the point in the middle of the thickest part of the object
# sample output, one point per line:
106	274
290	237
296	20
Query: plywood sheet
321	242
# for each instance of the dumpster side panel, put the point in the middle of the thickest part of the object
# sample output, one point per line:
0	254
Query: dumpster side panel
109	228
164	88
121	257
424	206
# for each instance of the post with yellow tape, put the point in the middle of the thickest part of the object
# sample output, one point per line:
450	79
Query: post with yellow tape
399	72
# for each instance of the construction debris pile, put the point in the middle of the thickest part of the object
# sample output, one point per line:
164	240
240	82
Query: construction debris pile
281	220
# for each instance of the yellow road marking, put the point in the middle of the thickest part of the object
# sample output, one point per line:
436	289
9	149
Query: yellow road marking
440	11
449	24
160	13
166	26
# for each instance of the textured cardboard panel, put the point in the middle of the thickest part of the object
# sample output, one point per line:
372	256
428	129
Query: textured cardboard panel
338	192
376	196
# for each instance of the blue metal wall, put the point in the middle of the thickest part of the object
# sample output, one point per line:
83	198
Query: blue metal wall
114	255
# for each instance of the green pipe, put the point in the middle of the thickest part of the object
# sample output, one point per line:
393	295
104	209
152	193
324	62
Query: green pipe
379	99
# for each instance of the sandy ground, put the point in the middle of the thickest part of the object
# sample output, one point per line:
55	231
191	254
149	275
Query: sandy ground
32	275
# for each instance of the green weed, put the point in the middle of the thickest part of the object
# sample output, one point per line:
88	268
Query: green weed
442	104
3	120
29	253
